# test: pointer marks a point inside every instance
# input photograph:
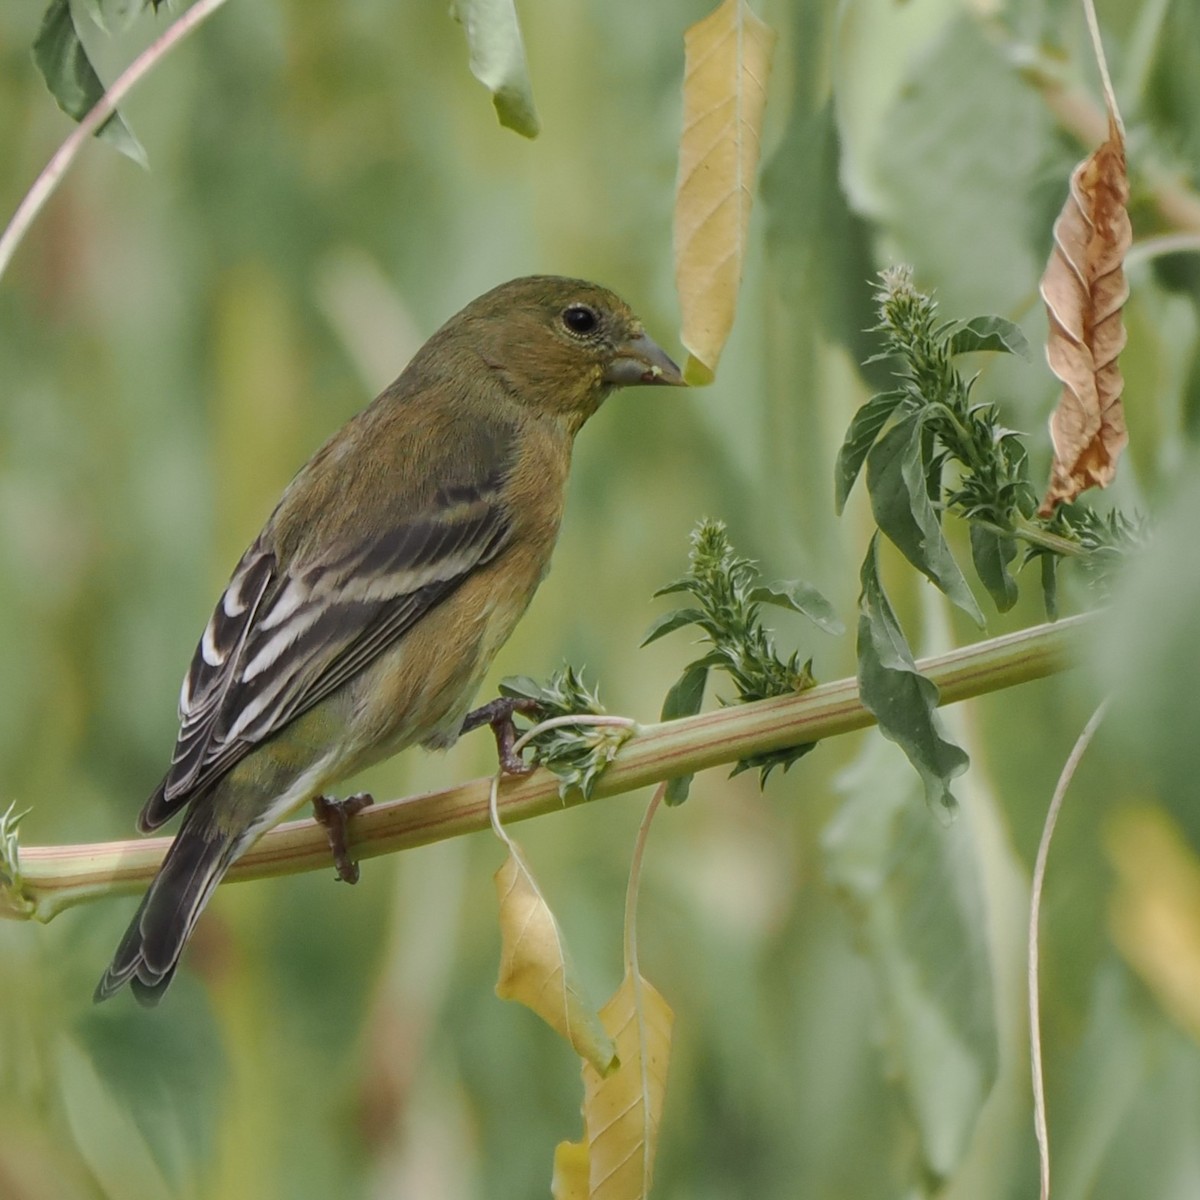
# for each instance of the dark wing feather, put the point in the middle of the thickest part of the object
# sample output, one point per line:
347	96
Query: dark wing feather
279	642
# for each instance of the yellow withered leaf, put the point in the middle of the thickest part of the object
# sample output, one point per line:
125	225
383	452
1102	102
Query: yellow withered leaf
1085	290
570	1180
622	1111
727	59
535	969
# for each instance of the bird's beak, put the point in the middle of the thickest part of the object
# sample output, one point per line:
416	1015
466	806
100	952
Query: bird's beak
641	360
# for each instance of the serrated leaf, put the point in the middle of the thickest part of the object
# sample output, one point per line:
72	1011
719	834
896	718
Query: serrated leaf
989	333
684	700
570	1179
764	764
676	585
61	58
535	969
671	621
727	61
915	892
992	552
622	1111
12	902
898	478
803	598
860	437
498	60
903	701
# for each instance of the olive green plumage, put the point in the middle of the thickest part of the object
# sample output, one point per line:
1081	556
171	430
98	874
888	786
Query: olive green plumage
397	562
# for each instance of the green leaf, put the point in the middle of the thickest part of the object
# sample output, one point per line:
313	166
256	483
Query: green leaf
819	248
992	552
677	790
671	621
521	687
72	80
684	700
963	125
10	856
989	333
803	598
860	437
687	695
897	481
114	16
164	1070
498	60
683	584
1050	585
902	700
918	899
577	754
764	764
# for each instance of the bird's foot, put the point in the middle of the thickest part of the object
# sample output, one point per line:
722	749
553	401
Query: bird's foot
335	816
498	714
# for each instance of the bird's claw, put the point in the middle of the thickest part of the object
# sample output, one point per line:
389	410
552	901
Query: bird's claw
335	816
498	714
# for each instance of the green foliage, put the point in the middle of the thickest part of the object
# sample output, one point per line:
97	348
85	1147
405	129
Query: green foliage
173	345
498	60
578	754
935	424
919	909
10	860
728	596
65	66
168	1086
903	701
939	425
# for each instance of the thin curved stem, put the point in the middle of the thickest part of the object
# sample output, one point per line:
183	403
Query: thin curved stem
46	183
1035	911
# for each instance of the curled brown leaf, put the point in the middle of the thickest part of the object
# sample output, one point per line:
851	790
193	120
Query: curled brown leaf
1084	288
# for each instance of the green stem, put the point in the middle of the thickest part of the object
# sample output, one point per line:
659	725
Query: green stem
53	878
1050	541
1035	537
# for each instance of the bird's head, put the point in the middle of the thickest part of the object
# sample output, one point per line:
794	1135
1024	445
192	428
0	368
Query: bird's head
559	345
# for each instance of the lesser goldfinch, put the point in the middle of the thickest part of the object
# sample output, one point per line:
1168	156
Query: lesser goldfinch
397	562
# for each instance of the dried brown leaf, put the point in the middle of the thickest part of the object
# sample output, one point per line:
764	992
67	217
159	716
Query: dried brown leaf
727	60
1085	290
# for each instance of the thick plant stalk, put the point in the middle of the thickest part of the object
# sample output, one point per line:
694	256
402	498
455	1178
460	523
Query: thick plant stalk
53	878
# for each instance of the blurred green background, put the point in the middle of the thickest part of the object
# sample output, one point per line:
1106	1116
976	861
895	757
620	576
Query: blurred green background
328	183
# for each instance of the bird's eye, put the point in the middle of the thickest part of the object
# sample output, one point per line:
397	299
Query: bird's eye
580	319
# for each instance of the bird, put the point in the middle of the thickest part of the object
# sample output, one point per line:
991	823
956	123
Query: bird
364	616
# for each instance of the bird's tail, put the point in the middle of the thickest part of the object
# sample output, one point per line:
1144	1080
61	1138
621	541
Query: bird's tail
149	952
